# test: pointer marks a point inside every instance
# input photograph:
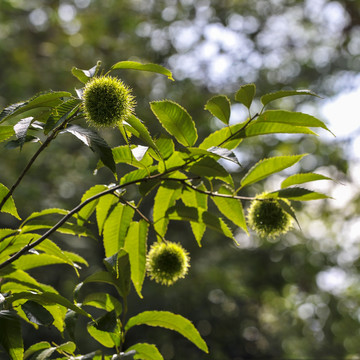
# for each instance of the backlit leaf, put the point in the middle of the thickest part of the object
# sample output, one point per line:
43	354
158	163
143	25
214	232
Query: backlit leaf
284	93
231	208
133	65
176	121
245	94
135	245
170	321
9	206
298	194
219	106
290	118
146	352
269	166
297	179
116	227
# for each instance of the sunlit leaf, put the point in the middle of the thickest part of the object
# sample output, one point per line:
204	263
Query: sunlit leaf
103	301
9	206
116	227
146	351
245	94
193	198
135	245
290	118
85	75
297	179
38	102
187	213
223	138
165	197
298	194
133	65
269	166
219	106
170	321
176	121
88	209
284	93
231	208
138	129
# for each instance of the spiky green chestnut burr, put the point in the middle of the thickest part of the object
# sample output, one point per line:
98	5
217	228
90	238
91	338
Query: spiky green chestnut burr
268	218
167	262
107	101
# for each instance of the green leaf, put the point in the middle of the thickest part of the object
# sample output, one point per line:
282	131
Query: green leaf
223	138
96	143
103	207
297	179
68	347
47	298
11	338
284	93
135	245
231	208
133	65
61	113
138	129
165	197
6	132
36	347
165	145
186	213
146	351
196	199
176	160
266	128
116	227
85	75
103	301
106	330
122	154
208	167
216	153
245	94
290	118
176	121
139	174
266	167
219	106
298	194
170	321
38	102
9	206
37	314
87	210
103	277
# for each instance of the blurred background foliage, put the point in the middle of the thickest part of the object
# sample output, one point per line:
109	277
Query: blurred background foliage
297	297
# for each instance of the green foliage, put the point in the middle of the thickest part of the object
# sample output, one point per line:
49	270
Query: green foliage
175	172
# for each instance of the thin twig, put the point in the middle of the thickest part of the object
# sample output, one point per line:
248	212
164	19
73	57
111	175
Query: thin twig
210	193
76	209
